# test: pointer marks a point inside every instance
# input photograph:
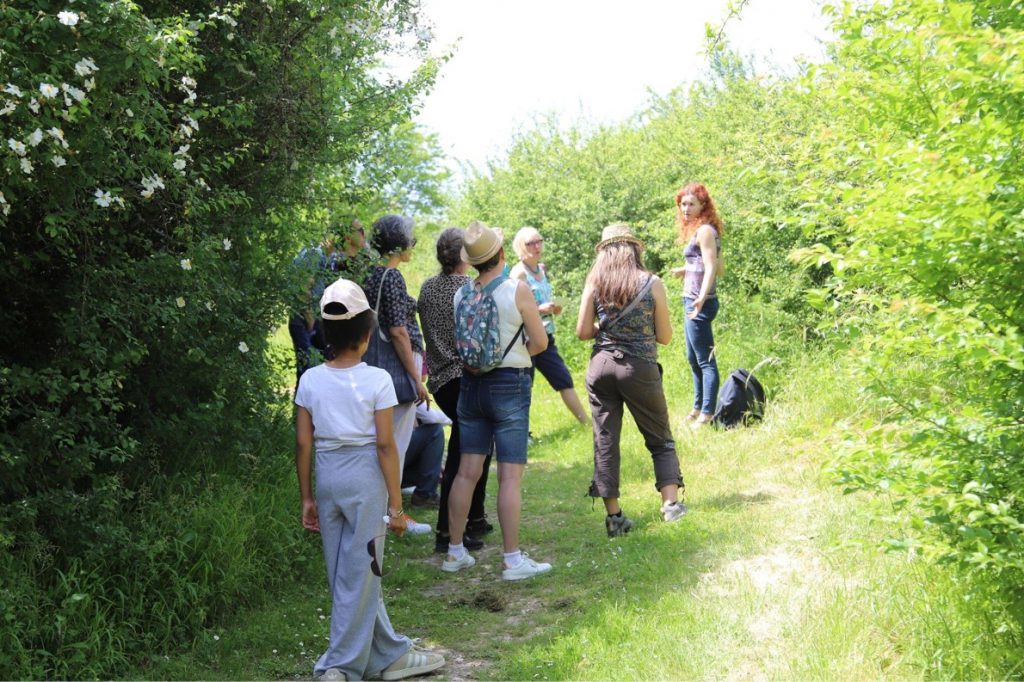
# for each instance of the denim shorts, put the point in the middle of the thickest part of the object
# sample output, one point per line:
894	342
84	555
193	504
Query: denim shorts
552	366
495	407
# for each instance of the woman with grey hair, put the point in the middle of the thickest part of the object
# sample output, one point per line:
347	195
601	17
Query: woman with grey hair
444	379
529	247
392	238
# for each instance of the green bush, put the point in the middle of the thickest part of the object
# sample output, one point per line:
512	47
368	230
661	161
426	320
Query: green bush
159	160
926	133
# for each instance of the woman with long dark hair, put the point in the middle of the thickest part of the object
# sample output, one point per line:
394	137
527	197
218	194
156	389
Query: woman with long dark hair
624	309
700	229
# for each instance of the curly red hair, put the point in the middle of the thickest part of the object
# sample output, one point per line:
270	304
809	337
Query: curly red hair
708	214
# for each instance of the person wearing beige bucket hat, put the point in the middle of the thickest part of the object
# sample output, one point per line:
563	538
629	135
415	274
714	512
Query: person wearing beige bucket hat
624	309
346	408
494	405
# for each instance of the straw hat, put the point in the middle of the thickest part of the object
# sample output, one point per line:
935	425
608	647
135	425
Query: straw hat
481	243
619	232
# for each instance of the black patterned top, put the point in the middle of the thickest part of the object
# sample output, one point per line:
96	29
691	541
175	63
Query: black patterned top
397	307
632	335
437	315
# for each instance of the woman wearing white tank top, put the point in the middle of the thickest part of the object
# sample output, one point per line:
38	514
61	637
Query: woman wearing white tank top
495	407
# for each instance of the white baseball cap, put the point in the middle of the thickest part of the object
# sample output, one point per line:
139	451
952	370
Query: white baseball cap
348	294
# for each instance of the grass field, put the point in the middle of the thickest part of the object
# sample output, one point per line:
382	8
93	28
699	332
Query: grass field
773	574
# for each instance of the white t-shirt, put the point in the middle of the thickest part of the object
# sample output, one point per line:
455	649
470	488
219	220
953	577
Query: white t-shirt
343	401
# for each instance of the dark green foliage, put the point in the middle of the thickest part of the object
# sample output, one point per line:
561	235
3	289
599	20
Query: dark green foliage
158	161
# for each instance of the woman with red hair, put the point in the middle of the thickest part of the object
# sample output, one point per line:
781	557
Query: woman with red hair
700	229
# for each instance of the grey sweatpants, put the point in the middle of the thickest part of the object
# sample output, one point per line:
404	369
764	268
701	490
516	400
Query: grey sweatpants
351	499
613	380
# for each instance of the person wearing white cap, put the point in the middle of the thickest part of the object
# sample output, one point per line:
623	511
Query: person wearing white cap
345	409
494	405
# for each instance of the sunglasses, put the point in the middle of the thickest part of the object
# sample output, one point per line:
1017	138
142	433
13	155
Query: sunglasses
535	242
371	549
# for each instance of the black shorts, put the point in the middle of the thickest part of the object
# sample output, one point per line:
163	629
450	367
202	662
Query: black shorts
552	366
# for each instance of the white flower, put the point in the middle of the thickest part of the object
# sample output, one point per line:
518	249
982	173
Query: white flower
58	160
184	130
102	198
85	67
76	93
48	90
216	638
90	83
9	106
26	167
227	244
67	18
146	193
202	183
243	347
180	301
153	182
119	201
129	113
17	146
179	164
188	82
12	89
33	105
336	51
209	306
182	150
36	137
194	124
4	206
186	264
333	33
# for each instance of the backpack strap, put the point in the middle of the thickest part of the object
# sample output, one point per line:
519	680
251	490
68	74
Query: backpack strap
632	304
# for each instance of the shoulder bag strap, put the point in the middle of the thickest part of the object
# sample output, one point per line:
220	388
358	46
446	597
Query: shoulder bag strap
632	304
380	332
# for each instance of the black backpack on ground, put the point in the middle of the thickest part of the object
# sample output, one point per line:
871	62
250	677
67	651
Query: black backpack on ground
740	400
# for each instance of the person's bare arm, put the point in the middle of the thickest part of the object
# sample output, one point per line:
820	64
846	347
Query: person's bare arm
662	320
387	455
537	338
303	468
586	328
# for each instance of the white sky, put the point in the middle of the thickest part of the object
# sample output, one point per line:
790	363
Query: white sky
592	60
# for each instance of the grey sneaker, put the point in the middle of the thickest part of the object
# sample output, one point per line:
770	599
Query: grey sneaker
673	511
617	525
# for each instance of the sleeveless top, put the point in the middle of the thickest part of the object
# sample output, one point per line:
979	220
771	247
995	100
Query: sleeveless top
541	293
509	320
632	335
693	277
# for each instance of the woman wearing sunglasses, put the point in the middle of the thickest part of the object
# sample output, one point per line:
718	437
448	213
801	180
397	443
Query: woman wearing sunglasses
529	247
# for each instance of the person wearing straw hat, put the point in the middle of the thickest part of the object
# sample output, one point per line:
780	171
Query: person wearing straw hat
624	309
494	406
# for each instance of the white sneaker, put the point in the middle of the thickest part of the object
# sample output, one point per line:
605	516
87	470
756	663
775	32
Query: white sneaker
451	564
527	568
332	675
673	511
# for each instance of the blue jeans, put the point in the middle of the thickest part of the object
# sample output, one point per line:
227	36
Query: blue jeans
423	459
496	406
700	351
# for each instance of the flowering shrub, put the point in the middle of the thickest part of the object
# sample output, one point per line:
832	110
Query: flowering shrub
155	180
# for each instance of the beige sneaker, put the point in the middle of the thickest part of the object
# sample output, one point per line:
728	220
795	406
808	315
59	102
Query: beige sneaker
413	662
